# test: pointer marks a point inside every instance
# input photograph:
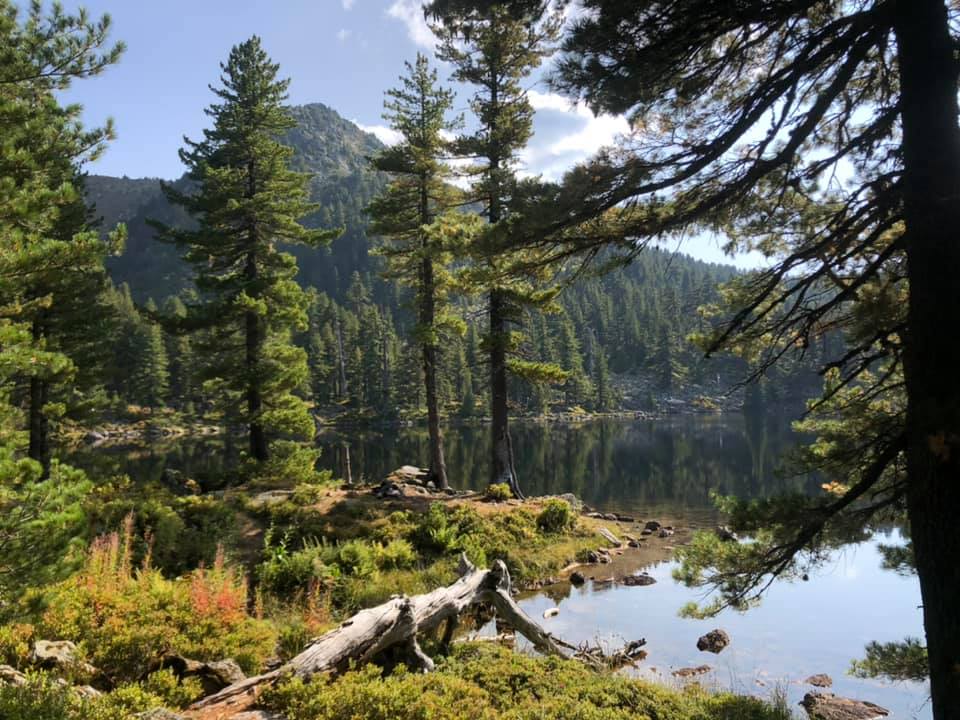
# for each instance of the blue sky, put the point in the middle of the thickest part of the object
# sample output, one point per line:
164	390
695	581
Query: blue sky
343	53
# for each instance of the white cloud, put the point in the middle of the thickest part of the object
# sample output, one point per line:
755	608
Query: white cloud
592	133
410	13
386	135
347	4
343	34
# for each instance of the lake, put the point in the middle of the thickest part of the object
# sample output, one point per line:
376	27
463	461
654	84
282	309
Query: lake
665	470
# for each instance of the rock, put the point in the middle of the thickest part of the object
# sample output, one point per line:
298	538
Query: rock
595	515
271	497
93	437
609	537
646	532
256	715
714	641
213	676
604	556
821	680
624	518
551	612
725	533
691	671
612	517
9	676
633	543
652	526
827	706
408	474
59	654
593	557
159	714
664	533
577	579
637	580
87	692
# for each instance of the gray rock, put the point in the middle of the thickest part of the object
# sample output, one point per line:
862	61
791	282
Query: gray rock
821	680
53	653
652	526
271	497
827	706
10	676
714	641
624	518
159	714
577	579
637	580
665	533
257	715
612	517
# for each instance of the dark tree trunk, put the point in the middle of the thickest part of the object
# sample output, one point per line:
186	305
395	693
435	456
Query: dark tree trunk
39	449
254	338
438	464
931	182
501	458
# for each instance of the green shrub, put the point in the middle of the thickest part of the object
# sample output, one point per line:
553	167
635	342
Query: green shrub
397	554
122	618
356	557
284	572
498	492
556	516
491	683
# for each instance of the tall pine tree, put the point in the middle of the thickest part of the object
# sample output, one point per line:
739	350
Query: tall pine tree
419	192
495	47
247	201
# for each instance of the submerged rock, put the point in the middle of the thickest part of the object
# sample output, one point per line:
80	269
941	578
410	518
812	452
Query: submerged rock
652	525
827	706
821	680
577	579
637	580
714	641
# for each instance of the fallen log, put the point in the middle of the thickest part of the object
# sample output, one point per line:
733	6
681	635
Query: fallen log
397	623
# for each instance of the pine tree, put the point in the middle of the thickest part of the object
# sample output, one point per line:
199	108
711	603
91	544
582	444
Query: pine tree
246	202
495	47
149	381
419	192
180	358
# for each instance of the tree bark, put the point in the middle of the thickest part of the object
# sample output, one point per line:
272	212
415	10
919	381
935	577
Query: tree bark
931	182
398	622
39	449
438	464
254	345
501	456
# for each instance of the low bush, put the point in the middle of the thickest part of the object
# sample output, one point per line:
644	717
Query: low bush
122	618
491	683
556	516
498	492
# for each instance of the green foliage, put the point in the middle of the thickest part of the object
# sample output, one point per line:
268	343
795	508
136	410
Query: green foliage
498	492
556	516
894	661
42	523
284	571
245	200
398	554
122	618
487	683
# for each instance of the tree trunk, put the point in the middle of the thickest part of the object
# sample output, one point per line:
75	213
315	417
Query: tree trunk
341	362
501	457
39	449
254	346
438	464
931	183
398	622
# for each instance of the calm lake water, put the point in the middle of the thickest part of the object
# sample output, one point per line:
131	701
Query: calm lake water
662	470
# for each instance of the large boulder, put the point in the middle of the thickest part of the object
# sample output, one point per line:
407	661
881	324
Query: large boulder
714	641
827	706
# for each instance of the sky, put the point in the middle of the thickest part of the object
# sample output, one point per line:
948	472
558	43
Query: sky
343	53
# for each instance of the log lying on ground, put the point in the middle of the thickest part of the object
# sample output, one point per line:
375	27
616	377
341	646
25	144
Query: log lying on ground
397	623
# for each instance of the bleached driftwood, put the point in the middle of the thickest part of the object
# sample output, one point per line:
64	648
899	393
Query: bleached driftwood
397	623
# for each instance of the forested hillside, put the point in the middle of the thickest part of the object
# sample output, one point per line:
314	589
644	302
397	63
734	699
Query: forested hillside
623	336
